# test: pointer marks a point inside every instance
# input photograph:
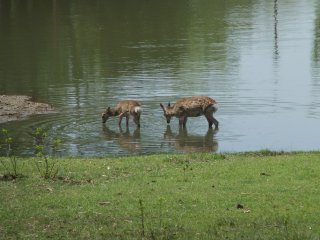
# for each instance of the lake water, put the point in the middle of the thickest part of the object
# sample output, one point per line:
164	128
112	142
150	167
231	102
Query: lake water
259	59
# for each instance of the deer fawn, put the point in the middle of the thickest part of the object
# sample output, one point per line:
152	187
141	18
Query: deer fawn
192	107
124	108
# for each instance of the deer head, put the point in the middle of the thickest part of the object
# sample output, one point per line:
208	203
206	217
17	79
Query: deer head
168	111
108	113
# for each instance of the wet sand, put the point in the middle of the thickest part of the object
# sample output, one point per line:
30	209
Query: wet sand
19	107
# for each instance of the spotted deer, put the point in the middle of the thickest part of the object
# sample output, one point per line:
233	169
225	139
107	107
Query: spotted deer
124	108
192	107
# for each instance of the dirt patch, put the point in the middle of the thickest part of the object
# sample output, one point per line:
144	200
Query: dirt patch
19	107
8	177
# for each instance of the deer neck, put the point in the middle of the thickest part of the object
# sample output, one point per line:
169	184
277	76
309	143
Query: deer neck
115	112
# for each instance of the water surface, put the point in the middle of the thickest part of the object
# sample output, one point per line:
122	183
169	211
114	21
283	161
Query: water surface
259	59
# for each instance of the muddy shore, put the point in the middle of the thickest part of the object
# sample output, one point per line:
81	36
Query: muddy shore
19	107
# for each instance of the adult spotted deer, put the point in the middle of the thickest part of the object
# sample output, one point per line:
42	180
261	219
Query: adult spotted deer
124	108
192	107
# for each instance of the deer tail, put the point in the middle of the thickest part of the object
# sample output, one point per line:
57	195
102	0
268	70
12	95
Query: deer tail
138	110
215	107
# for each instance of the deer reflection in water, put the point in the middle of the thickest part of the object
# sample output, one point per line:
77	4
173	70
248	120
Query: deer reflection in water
125	140
184	142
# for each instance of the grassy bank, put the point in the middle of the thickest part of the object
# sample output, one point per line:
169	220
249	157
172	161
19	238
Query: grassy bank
196	196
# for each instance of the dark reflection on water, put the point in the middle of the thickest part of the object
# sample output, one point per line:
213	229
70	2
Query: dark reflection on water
258	59
184	142
276	44
126	140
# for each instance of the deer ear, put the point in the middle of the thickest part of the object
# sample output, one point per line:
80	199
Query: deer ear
162	106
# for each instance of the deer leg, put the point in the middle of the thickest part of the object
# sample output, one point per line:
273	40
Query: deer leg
211	120
127	120
181	121
215	122
136	119
185	122
120	119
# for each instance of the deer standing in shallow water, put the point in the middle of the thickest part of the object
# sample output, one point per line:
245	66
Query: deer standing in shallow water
192	107
124	108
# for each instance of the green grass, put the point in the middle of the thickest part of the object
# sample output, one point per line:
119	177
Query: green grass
262	195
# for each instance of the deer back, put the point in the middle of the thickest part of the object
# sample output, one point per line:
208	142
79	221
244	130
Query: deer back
128	106
193	106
